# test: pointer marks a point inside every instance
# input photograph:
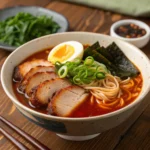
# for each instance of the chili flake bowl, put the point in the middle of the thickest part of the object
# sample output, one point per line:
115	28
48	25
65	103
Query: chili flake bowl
137	41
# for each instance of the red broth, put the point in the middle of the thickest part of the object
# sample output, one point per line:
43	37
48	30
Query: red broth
86	109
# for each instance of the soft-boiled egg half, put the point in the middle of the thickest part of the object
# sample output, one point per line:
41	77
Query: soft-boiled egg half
66	51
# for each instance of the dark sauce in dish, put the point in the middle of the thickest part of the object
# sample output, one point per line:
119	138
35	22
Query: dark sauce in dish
130	31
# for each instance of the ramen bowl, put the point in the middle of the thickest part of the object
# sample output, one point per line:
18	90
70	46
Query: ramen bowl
77	129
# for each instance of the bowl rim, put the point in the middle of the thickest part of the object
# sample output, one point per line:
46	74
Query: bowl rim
57	118
126	21
12	48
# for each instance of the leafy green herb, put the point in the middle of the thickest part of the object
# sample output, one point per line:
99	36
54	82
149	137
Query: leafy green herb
24	27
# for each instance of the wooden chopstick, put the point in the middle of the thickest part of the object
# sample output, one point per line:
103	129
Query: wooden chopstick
13	140
31	139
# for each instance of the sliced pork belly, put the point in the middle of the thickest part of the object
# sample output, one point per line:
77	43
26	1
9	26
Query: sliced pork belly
46	90
66	100
33	71
37	79
22	69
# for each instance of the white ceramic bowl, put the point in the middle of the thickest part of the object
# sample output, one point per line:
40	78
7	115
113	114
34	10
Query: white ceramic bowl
75	128
138	42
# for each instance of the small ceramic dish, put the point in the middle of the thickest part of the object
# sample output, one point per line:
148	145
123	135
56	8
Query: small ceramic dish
36	11
137	41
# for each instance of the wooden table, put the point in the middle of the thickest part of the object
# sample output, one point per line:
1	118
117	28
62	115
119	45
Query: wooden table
134	134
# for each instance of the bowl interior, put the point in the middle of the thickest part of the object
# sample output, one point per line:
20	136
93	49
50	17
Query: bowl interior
133	53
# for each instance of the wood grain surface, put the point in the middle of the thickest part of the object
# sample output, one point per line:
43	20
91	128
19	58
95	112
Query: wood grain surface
133	134
9	3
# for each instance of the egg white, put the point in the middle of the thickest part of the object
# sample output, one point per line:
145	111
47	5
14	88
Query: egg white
78	50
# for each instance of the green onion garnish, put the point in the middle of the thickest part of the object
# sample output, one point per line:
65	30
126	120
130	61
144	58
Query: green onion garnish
77	61
62	72
58	65
100	75
76	80
89	61
81	72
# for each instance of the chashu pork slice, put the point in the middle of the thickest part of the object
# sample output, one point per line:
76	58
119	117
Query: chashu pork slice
37	79
33	71
67	100
21	70
46	90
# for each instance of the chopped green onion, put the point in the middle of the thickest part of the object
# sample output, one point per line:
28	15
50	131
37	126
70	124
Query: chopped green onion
101	67
76	80
81	72
89	61
62	72
58	65
77	61
100	75
86	81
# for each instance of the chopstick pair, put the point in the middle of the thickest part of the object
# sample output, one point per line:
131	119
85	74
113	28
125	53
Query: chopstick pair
18	144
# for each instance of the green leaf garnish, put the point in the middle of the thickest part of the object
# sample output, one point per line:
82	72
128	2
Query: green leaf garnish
24	27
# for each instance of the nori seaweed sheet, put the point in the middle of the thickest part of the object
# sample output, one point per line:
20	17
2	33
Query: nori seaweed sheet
114	59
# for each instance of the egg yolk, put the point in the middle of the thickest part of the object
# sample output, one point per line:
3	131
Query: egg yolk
62	53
